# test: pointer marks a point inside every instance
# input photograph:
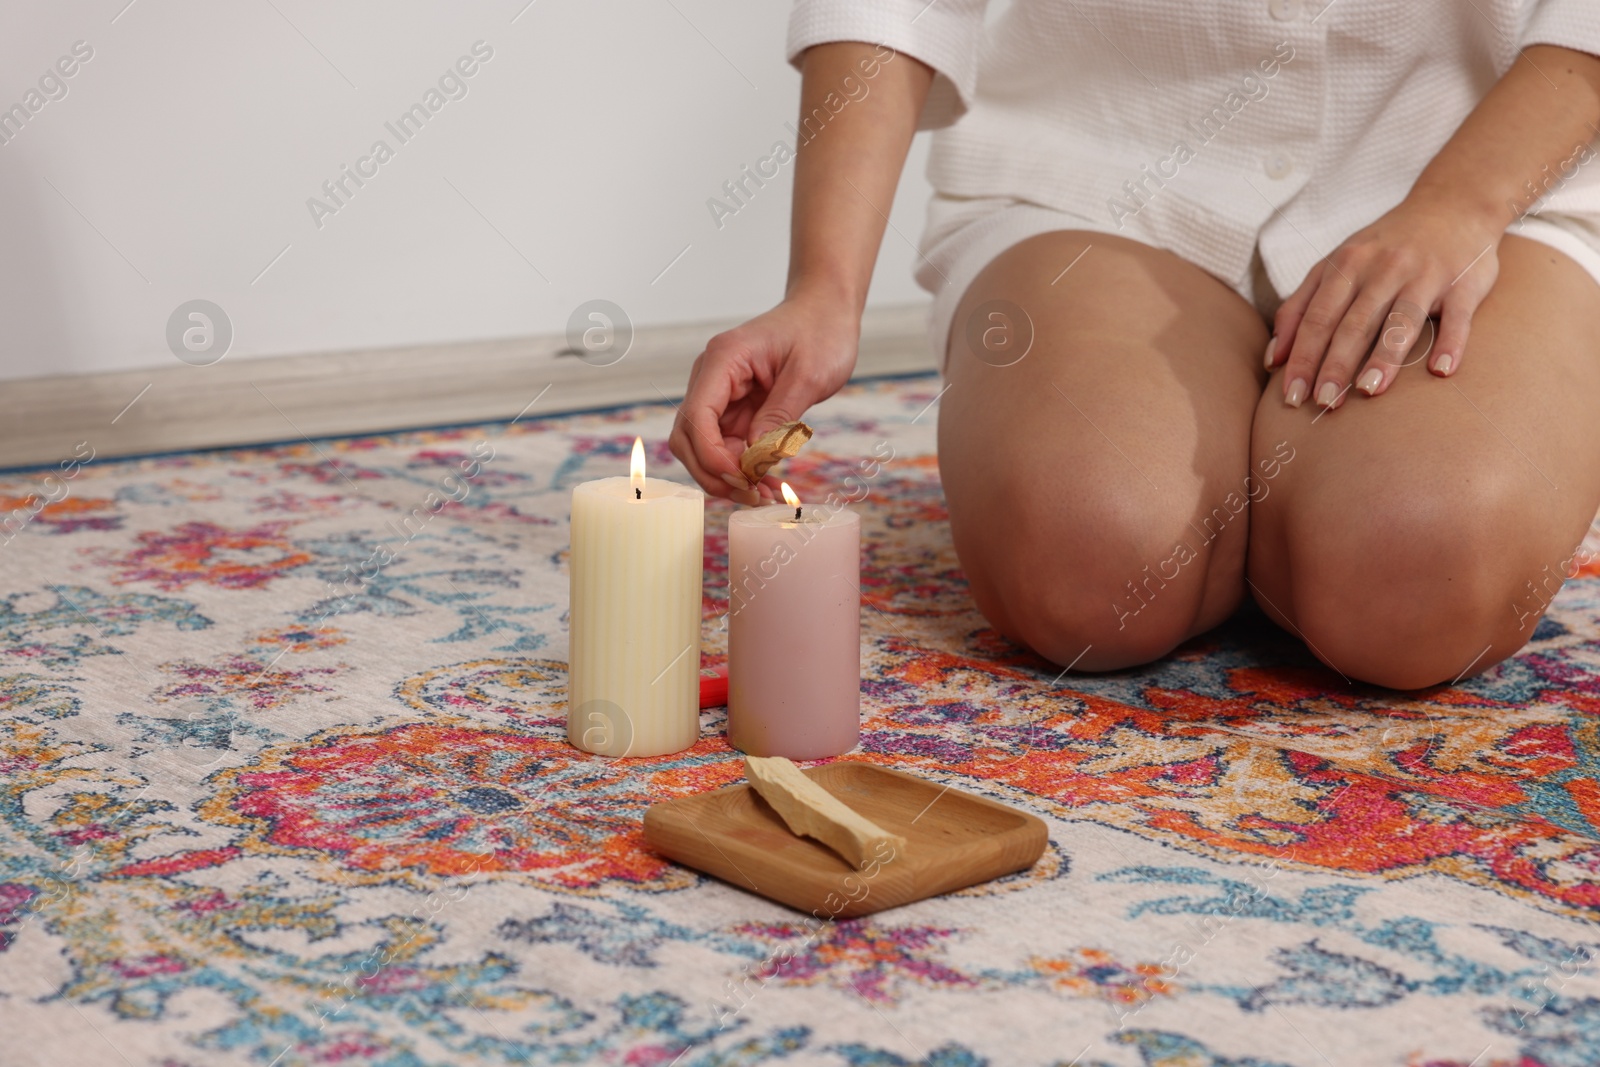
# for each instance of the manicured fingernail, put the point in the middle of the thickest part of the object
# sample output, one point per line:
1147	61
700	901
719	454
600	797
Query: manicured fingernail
1296	394
1370	380
736	480
1272	347
747	497
1442	363
1328	394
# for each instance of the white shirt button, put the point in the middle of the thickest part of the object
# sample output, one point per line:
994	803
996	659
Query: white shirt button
1284	10
1278	165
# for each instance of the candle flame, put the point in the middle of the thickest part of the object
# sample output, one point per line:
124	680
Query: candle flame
789	495
636	467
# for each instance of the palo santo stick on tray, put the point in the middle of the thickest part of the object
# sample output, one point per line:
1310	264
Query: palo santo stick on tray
953	839
811	811
774	445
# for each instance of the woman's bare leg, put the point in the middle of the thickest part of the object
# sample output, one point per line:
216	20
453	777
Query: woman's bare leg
1417	536
1097	487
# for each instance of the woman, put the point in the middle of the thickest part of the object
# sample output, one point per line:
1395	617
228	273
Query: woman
1237	298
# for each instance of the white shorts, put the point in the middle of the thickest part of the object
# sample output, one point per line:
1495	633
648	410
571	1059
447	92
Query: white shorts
963	236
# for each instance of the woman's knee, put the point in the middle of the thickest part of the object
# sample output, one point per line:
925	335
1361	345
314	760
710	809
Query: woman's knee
1097	583
1419	583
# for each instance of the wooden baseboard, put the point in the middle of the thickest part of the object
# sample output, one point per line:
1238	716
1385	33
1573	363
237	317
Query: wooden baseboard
252	401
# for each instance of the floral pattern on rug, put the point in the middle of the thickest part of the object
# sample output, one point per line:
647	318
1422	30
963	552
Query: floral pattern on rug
284	782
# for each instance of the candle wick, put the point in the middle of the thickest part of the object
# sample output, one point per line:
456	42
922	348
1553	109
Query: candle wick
796	514
638	494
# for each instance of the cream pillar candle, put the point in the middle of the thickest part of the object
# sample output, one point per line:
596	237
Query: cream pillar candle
633	663
794	630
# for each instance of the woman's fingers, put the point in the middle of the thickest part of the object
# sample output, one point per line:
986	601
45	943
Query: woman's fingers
1405	328
1455	322
791	394
1351	341
697	438
1460	303
1287	320
678	441
1334	294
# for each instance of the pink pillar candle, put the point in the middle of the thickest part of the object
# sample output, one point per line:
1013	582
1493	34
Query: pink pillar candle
794	631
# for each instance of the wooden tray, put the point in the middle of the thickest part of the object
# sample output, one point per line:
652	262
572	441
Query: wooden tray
953	839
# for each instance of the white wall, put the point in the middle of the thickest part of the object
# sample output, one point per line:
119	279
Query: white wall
179	163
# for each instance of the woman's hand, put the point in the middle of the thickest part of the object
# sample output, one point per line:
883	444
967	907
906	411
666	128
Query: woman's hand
1427	257
756	377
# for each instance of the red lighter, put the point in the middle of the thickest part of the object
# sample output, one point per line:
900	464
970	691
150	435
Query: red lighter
713	687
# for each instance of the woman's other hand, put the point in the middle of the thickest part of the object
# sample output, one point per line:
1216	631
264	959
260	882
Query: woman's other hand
1363	312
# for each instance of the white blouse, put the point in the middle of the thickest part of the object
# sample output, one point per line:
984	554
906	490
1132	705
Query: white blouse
1221	124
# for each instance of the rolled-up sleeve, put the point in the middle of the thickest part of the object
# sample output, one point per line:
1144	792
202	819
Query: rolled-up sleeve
944	34
1571	24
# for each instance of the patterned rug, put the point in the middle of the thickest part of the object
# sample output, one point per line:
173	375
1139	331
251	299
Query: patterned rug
273	798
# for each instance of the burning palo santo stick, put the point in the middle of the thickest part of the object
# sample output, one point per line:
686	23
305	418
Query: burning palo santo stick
811	811
767	450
